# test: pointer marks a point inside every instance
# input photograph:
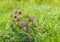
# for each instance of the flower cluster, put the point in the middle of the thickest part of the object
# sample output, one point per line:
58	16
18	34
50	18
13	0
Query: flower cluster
23	22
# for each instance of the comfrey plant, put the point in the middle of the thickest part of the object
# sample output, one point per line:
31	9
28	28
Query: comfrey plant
24	26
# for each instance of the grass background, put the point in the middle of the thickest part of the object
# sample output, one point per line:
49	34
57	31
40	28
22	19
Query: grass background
45	12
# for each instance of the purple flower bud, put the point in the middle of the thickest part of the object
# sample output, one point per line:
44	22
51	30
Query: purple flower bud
11	25
28	37
27	29
17	19
15	12
25	24
32	19
19	12
15	16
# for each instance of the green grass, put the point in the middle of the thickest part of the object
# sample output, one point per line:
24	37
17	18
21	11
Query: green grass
47	16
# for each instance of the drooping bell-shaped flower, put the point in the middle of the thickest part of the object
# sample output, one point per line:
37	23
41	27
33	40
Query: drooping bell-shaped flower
15	16
27	29
17	19
15	12
11	25
19	12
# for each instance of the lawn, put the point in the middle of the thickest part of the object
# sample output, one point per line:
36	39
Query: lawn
47	19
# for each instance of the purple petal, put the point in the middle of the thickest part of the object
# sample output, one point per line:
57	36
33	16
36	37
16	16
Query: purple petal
15	12
17	19
25	24
28	37
27	29
32	19
11	25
